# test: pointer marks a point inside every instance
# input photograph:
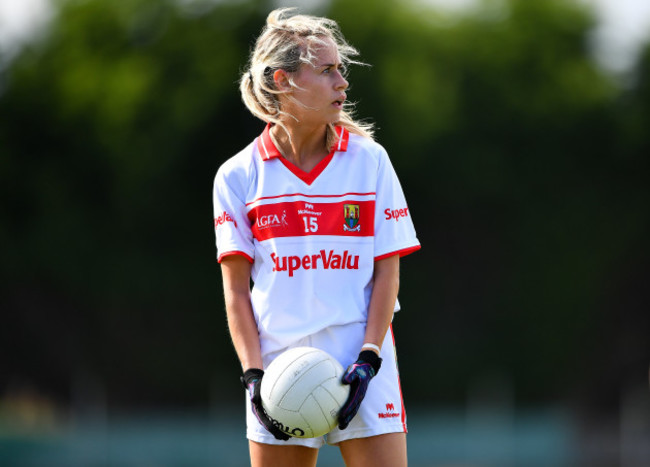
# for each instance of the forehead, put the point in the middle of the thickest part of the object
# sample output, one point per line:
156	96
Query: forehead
324	52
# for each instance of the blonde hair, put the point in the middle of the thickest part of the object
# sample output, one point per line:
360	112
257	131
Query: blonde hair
285	43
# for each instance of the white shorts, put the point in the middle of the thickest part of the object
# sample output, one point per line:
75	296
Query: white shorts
382	410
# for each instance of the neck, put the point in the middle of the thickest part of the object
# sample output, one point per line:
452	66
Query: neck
305	148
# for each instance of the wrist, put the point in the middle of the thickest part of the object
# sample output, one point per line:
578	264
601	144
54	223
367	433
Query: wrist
371	346
251	375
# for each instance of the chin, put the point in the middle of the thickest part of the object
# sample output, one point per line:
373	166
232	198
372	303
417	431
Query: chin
335	121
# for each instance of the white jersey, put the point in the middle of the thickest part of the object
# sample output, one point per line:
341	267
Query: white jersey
312	237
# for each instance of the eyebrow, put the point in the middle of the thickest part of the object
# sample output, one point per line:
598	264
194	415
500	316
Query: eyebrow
329	65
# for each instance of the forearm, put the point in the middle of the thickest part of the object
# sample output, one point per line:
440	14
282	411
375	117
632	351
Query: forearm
382	300
239	311
243	331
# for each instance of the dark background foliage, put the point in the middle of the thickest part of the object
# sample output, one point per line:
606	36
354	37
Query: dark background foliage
524	163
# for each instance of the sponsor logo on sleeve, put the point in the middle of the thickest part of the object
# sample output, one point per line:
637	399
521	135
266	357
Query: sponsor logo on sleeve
222	219
396	214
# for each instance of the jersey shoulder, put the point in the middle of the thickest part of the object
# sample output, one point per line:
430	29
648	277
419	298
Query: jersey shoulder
243	160
365	147
363	143
239	169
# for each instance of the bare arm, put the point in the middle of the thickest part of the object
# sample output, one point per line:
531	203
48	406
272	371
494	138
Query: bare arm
236	272
382	300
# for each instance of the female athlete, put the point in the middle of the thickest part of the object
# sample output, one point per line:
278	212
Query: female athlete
312	212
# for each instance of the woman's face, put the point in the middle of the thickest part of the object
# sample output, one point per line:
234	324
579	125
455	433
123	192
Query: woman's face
320	88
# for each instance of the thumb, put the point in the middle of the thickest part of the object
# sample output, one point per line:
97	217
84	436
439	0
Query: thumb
349	376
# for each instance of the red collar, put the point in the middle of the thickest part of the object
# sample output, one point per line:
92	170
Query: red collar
268	150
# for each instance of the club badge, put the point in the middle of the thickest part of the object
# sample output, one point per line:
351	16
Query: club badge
351	216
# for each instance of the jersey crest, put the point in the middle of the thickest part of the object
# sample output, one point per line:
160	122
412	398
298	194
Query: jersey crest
351	216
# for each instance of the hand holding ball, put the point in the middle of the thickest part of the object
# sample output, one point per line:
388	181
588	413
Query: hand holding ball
302	392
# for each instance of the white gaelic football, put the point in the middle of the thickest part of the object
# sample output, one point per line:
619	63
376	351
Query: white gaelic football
302	392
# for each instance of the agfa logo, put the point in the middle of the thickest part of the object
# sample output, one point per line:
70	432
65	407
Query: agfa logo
351	216
272	220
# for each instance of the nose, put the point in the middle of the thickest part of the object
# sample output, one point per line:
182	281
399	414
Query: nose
342	83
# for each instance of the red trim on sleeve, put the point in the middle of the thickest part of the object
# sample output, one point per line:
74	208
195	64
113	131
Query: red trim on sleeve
404	252
232	253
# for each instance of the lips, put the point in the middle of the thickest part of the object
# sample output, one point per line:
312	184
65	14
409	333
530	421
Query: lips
339	102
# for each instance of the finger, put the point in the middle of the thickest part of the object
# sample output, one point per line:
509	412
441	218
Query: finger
350	377
347	417
279	434
349	409
270	426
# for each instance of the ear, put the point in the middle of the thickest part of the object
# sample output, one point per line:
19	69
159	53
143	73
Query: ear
281	80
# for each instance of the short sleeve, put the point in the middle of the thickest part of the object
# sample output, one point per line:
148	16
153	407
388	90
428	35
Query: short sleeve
231	225
394	230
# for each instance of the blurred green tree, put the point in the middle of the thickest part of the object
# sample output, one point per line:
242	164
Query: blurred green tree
505	135
112	129
522	161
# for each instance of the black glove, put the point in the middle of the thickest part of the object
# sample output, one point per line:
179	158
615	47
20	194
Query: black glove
252	380
358	376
